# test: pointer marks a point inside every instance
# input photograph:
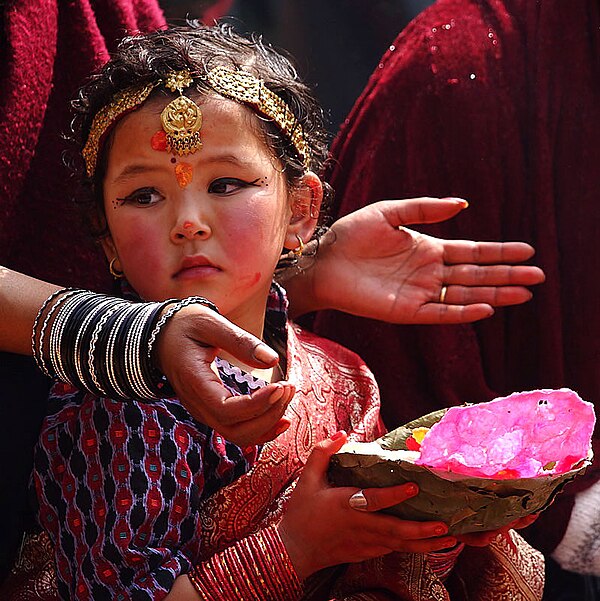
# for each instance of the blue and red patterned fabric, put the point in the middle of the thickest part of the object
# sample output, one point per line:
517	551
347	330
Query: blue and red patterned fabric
120	484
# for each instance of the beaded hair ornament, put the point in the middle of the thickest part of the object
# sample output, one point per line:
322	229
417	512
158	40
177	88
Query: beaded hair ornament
181	119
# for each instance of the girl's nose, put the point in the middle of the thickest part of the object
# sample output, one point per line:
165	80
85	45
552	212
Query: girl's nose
190	229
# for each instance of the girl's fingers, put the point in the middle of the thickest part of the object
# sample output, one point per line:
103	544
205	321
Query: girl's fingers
370	540
318	461
396	528
376	499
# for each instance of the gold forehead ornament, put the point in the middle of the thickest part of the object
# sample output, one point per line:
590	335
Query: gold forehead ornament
181	119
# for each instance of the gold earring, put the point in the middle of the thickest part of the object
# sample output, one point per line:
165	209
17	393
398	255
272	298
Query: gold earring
300	248
117	274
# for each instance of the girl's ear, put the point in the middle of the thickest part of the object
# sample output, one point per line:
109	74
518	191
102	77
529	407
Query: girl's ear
306	205
108	246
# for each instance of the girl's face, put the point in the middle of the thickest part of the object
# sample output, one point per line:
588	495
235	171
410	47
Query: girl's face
212	223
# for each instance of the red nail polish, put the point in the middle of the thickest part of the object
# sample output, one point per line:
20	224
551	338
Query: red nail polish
282	425
338	435
439	530
412	489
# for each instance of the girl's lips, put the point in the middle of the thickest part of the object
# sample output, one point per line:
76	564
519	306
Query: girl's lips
196	267
195	272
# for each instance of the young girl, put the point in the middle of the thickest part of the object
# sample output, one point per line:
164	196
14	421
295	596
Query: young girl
199	150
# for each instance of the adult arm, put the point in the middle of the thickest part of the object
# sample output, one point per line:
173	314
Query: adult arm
385	271
20	299
186	347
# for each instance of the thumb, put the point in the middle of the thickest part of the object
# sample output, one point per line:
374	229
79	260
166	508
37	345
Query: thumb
420	210
318	461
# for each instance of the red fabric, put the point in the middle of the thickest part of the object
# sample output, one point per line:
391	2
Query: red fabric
496	101
47	48
218	10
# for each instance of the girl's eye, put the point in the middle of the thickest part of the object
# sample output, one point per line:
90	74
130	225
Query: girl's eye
229	185
143	197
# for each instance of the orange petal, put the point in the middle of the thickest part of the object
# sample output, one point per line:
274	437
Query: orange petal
184	174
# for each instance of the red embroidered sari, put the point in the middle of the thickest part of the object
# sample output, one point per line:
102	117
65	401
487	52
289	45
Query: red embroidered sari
336	391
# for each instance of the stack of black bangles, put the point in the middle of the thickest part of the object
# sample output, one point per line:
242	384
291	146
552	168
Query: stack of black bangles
103	344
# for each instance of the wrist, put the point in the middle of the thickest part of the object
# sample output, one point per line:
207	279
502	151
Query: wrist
298	558
307	288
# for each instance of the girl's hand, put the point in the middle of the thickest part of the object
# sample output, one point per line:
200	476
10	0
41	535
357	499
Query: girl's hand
384	271
483	539
187	346
321	529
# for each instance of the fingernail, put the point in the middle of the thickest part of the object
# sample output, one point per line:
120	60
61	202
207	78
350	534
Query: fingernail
412	489
358	501
264	353
337	435
277	394
439	530
460	201
282	425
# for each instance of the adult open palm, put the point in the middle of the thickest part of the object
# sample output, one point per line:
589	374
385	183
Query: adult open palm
373	266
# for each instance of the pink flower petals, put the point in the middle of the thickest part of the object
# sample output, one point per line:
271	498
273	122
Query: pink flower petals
524	435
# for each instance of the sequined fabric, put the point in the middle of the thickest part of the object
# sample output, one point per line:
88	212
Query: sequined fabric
33	577
498	102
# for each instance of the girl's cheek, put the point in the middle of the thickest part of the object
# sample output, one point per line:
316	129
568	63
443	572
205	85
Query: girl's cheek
139	249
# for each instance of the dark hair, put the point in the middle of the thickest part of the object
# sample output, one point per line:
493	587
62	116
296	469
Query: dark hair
148	58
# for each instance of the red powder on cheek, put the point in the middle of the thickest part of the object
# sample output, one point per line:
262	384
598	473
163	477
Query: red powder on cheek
248	281
184	174
159	141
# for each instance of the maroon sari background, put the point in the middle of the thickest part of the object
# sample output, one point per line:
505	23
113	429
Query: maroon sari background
498	102
47	49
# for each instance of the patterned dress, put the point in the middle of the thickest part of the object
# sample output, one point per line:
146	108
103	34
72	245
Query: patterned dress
121	486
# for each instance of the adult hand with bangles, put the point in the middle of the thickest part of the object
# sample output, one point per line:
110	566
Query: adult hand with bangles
184	349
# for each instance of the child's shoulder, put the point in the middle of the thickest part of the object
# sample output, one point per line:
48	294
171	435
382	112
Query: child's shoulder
69	407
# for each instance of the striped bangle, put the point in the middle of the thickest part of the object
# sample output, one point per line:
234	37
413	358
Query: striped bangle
256	568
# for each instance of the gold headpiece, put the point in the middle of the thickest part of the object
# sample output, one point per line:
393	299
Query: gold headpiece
244	87
122	103
181	118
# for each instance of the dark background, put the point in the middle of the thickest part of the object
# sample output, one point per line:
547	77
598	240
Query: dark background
336	43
